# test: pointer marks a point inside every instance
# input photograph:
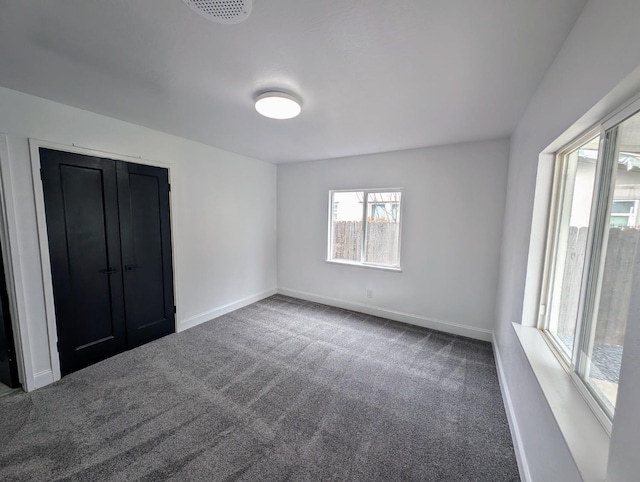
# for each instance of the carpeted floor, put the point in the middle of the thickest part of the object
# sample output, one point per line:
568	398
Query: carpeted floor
4	390
279	390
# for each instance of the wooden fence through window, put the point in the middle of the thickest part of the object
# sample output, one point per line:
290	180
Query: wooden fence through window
382	241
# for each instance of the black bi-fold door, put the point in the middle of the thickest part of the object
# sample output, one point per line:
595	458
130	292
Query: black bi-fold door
110	248
145	235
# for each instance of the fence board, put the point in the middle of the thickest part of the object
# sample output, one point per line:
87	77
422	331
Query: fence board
616	292
382	241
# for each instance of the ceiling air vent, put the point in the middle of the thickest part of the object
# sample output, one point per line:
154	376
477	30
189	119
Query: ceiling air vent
222	11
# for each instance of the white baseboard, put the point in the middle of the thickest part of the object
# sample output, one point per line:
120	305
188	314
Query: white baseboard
40	380
523	466
411	319
222	310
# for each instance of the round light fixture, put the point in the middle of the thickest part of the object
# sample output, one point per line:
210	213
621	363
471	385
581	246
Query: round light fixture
278	105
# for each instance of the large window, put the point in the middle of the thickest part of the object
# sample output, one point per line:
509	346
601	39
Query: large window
592	278
364	227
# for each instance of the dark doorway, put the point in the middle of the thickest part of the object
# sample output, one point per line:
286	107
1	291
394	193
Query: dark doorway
109	232
8	362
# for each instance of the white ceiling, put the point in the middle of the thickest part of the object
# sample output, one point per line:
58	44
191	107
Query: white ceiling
374	75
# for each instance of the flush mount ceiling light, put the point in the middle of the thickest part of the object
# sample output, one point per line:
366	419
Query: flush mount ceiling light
278	105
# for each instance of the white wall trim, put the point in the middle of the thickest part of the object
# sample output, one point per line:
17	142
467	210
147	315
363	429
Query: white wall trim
42	379
41	220
13	269
411	319
45	261
521	456
223	310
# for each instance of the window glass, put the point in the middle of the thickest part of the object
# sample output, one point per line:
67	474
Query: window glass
365	227
619	273
383	228
575	201
346	229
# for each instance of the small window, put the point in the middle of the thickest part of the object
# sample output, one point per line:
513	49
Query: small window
593	268
623	214
365	227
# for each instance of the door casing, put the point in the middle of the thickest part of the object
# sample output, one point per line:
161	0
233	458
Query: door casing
11	256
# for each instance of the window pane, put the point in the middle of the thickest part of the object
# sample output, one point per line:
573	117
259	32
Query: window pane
570	244
623	207
383	228
605	336
346	229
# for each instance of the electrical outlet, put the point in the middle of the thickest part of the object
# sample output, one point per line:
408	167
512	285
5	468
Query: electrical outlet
369	293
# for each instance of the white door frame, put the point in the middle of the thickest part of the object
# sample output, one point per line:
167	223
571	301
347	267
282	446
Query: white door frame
13	270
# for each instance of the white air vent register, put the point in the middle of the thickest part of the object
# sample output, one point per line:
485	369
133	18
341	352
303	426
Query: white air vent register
222	11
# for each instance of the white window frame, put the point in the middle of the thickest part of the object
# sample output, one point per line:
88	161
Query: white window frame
557	195
595	255
362	262
569	363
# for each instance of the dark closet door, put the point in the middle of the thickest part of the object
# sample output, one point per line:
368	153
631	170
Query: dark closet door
143	193
81	204
110	244
8	363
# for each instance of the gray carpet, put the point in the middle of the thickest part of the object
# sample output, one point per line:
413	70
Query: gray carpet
279	390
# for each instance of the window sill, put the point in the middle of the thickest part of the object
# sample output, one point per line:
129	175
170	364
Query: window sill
360	265
585	437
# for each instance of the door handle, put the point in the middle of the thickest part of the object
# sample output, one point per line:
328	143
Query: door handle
109	270
131	267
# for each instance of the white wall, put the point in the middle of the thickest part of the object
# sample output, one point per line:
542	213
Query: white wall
223	218
594	71
453	203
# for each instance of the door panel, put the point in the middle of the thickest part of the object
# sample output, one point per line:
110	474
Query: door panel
146	251
87	252
81	207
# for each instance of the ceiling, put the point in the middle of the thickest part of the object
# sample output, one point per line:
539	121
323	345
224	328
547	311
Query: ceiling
374	75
